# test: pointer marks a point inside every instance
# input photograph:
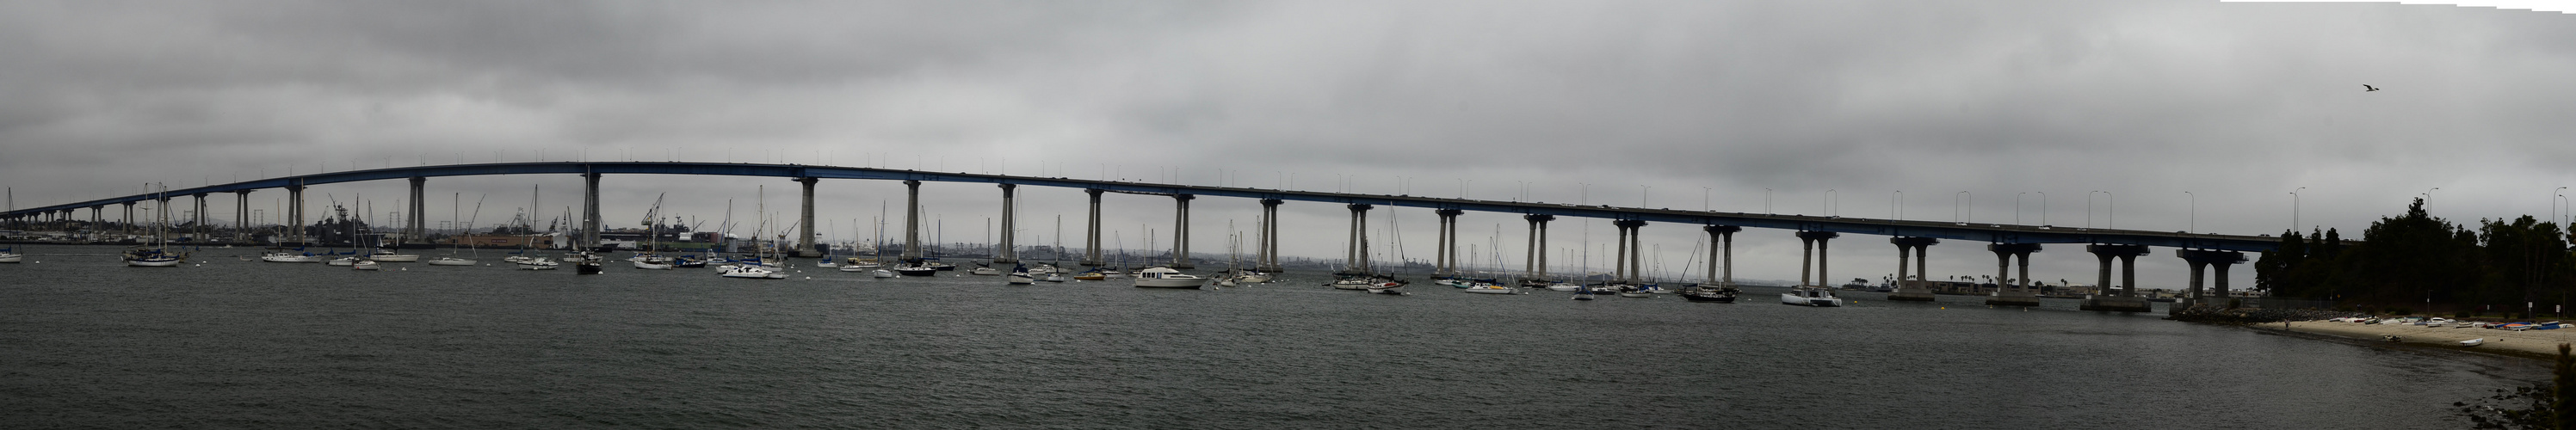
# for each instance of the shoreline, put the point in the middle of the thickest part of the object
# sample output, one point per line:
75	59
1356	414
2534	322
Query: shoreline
2532	344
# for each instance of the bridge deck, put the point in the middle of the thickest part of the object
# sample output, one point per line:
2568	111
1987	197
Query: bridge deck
1983	232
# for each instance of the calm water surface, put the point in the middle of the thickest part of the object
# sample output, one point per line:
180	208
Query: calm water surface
87	343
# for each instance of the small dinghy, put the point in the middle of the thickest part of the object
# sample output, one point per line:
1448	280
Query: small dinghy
2473	342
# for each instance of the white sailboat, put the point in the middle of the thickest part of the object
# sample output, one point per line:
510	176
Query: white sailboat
455	200
748	270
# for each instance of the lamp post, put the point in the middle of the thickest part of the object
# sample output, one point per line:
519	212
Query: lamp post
1642	191
1830	198
2553	202
1703	199
2194	224
2088	209
1955	207
2294	209
1896	206
2017	207
1766	202
2043	207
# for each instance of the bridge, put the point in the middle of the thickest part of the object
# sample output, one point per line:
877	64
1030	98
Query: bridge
2007	241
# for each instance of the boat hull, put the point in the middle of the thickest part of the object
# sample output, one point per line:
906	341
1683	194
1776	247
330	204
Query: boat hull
451	262
1170	283
154	262
1020	279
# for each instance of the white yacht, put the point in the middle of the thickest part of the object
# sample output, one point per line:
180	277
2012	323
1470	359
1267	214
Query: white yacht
1491	289
747	271
538	263
366	265
388	256
289	257
1165	277
1810	296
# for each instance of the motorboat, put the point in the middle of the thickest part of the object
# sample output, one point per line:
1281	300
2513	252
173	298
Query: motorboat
1351	283
1054	277
290	257
916	270
388	256
1810	296
343	261
1165	277
1094	274
944	267
1491	289
882	273
651	262
2473	342
367	265
750	271
1225	282
855	268
450	261
1583	294
1712	295
1253	277
154	257
985	271
1564	287
538	263
10	257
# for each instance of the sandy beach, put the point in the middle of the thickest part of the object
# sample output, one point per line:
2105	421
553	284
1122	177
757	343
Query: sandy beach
2542	343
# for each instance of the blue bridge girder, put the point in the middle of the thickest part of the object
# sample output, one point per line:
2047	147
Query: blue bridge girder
1982	232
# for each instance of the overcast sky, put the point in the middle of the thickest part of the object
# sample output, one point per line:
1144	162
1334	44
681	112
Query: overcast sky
2237	104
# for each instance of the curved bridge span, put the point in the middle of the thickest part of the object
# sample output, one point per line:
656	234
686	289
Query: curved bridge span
1979	232
1911	238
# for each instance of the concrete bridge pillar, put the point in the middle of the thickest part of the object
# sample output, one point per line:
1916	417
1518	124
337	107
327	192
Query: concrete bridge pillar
1268	261
2125	298
1181	232
912	222
128	227
2007	293
589	211
94	217
1631	234
1721	249
805	246
1534	267
1813	256
1008	250
1909	286
1446	259
415	221
2202	258
1091	239
241	217
1358	255
196	222
295	213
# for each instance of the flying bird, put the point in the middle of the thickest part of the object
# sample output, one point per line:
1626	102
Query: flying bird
2368	88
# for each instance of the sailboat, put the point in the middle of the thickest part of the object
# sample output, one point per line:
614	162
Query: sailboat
159	254
10	257
652	240
450	259
756	270
1020	275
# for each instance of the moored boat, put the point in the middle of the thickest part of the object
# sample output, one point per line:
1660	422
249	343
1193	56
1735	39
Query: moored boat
1165	277
450	261
1810	296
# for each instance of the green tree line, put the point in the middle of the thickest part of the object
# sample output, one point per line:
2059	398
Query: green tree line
2417	261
